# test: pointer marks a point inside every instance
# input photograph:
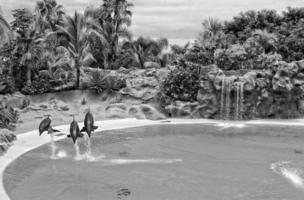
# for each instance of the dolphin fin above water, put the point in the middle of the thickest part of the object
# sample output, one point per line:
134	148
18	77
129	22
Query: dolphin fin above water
83	129
51	130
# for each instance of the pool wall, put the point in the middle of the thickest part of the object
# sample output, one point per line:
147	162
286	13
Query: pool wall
31	140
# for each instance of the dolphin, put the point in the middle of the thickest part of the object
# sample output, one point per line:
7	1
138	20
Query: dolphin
74	131
45	125
89	124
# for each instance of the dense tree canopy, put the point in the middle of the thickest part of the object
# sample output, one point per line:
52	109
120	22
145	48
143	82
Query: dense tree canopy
52	45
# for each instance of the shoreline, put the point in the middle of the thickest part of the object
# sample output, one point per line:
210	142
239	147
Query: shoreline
31	140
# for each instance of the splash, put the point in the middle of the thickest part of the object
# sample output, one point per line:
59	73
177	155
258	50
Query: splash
61	154
290	171
77	151
141	161
87	155
53	147
88	152
230	125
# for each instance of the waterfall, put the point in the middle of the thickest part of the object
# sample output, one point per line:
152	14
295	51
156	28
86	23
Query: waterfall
226	98
228	85
223	97
239	100
53	147
237	104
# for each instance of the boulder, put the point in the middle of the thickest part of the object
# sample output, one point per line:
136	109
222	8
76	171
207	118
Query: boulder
16	100
6	140
145	111
151	65
141	111
207	99
118	111
144	84
181	109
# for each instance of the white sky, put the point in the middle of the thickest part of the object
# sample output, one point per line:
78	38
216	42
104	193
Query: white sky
178	20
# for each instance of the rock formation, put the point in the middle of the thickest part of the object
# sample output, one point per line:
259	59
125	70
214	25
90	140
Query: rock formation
276	92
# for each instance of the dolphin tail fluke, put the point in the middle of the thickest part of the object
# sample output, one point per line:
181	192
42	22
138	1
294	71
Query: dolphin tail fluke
83	129
55	131
95	127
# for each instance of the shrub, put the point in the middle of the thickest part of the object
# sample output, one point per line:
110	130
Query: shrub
182	83
38	86
232	58
106	80
7	85
97	81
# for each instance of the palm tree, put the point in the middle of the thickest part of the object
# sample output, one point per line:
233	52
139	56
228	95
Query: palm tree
77	30
31	46
59	64
212	26
267	40
48	15
114	18
5	31
212	36
144	50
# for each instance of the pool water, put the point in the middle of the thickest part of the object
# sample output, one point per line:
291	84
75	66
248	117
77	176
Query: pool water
167	162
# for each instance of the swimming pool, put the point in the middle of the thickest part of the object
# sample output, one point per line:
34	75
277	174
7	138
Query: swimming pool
166	162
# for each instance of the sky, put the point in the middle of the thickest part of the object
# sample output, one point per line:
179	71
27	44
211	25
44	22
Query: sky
177	20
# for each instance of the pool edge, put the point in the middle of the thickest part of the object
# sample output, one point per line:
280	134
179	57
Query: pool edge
31	140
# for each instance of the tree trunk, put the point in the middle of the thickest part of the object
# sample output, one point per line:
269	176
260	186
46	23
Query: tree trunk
77	65
28	76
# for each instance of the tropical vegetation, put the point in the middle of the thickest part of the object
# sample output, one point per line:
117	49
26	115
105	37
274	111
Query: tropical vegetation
48	49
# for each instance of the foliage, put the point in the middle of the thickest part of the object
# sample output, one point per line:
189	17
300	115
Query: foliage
98	81
76	30
38	86
232	58
7	85
7	116
284	32
143	50
177	53
102	80
23	19
49	45
113	19
5	31
182	83
199	55
48	16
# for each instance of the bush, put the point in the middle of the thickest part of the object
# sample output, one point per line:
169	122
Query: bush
7	85
106	80
97	81
232	58
38	86
182	83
